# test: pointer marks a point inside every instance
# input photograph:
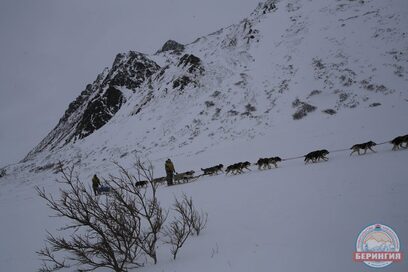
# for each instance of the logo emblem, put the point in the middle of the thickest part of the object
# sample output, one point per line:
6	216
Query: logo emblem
378	246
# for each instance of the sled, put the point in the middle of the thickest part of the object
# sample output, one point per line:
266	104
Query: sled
104	189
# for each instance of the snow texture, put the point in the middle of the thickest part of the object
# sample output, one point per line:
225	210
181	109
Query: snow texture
233	96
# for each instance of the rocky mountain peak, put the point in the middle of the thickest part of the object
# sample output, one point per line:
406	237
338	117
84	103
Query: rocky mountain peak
100	101
171	45
130	70
236	82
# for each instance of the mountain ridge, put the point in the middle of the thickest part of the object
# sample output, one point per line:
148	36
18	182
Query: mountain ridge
239	82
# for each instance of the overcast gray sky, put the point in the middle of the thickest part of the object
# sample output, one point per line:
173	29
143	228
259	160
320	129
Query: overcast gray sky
50	50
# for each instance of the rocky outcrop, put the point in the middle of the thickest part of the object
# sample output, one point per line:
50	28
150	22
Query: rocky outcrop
100	101
171	45
194	69
99	112
130	70
193	62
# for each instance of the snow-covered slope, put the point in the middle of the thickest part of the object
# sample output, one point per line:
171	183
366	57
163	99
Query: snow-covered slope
293	77
285	62
295	218
96	105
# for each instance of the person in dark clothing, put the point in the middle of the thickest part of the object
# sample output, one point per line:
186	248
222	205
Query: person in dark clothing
95	184
169	167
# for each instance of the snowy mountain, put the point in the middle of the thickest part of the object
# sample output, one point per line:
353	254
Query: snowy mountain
292	77
286	61
96	105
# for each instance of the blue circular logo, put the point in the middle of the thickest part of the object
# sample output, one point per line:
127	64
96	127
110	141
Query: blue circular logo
378	246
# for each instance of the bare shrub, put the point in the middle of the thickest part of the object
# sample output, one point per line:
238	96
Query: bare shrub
117	231
149	210
102	232
314	93
249	109
177	233
209	103
195	220
303	109
188	221
329	111
376	104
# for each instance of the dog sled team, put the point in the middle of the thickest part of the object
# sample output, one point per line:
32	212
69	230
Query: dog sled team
172	177
311	157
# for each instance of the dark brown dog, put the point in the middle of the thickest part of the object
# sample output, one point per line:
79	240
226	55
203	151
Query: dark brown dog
263	163
363	146
237	168
212	170
315	156
184	177
399	141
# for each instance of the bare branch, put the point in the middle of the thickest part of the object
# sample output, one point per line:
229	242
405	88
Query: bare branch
117	231
177	234
196	220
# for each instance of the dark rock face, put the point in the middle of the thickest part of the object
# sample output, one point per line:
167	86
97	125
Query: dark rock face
3	173
100	101
268	7
182	82
265	7
130	70
73	106
195	69
192	61
189	59
99	112
171	45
